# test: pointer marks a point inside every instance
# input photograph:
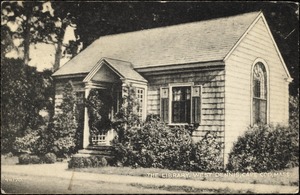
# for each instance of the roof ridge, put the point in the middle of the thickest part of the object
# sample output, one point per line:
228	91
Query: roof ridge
116	59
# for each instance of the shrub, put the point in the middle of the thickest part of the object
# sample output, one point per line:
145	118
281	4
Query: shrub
27	142
60	135
98	104
264	148
294	112
103	162
29	159
24	159
76	162
35	159
24	93
207	153
90	161
155	144
50	158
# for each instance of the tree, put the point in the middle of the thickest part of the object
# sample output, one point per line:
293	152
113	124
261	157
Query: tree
25	23
64	125
24	93
22	20
65	14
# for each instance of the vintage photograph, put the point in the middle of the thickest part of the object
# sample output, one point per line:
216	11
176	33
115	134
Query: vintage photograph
129	97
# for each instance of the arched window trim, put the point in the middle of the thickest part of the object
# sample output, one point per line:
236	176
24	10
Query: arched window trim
264	63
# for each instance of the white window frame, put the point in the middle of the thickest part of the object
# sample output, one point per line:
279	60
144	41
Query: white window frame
260	60
171	85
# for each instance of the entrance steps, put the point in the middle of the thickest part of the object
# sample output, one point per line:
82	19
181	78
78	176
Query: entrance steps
98	150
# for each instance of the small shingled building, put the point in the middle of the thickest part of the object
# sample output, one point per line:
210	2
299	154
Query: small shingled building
220	75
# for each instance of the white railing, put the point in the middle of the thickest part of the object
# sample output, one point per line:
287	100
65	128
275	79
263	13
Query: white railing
104	138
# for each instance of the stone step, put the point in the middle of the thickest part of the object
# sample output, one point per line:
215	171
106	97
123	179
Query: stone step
99	148
95	152
88	155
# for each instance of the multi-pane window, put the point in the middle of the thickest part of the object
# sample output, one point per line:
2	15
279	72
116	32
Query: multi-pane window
140	98
117	101
180	104
259	94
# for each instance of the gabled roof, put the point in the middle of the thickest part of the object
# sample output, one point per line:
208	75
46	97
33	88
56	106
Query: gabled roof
123	69
202	41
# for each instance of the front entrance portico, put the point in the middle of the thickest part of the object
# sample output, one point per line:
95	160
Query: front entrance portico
104	77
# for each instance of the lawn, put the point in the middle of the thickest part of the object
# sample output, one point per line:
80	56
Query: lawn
287	177
284	177
9	160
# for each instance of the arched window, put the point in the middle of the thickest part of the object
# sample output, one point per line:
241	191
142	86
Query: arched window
259	94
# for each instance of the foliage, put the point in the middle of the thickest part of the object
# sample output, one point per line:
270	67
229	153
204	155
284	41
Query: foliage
62	129
207	153
26	23
27	142
58	136
24	159
294	112
265	148
127	117
49	158
83	162
24	94
99	104
154	144
29	159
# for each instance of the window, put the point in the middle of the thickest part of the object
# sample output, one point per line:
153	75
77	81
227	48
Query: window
117	101
182	105
259	106
140	98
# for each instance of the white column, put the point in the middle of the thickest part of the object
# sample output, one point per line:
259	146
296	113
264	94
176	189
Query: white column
86	129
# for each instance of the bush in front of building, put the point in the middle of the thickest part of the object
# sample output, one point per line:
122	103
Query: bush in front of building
265	148
49	158
85	162
29	159
154	144
206	155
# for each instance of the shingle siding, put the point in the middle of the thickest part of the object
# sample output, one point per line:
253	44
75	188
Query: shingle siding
78	85
213	97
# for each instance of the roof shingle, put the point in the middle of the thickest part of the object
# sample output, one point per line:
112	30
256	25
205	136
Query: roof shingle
202	41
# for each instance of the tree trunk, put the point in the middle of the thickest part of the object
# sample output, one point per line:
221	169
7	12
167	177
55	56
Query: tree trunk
27	37
58	55
58	52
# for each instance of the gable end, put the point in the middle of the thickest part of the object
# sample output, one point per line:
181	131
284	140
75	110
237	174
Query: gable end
261	16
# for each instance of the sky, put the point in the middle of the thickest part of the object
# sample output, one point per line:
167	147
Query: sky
41	54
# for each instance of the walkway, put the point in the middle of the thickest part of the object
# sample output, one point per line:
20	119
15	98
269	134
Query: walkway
59	170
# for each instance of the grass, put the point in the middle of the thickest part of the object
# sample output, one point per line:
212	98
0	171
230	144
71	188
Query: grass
287	177
9	160
189	189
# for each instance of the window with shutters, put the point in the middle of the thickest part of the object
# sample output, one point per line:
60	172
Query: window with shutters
181	104
259	92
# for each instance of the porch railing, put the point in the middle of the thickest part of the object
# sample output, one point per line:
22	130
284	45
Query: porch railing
104	138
